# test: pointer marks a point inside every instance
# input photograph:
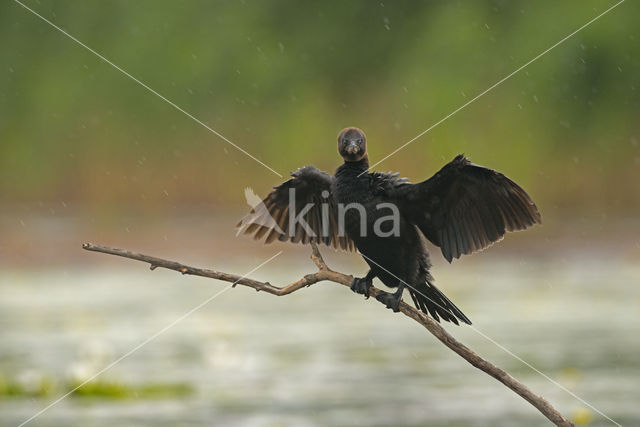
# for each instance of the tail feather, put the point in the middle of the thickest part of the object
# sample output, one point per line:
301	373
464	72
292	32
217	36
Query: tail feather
430	300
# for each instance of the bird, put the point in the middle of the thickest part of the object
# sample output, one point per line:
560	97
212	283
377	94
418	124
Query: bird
462	209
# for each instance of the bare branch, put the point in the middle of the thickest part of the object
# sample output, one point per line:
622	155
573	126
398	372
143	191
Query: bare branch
325	273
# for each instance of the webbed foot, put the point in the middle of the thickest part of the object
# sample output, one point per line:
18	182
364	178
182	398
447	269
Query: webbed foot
361	285
391	301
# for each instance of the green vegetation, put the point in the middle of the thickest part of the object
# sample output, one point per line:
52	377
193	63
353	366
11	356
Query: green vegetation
44	386
39	386
280	78
109	390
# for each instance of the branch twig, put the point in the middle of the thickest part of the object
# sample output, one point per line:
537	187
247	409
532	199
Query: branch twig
325	273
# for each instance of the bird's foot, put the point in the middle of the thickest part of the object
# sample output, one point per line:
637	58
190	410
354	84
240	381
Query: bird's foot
391	301
361	285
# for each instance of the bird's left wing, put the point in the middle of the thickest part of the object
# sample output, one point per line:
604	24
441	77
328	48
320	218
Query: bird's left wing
464	207
300	210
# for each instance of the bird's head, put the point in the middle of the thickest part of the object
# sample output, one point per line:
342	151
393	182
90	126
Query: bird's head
352	144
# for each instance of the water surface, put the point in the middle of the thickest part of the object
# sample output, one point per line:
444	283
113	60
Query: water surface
322	356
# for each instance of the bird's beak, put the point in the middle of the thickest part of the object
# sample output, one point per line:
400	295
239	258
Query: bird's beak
352	148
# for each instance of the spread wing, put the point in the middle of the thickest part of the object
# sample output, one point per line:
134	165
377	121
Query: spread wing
465	207
300	210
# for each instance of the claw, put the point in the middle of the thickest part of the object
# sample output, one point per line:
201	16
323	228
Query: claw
391	301
361	285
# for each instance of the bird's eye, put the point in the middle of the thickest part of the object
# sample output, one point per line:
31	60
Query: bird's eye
360	141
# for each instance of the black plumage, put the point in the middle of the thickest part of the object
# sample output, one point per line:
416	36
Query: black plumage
462	209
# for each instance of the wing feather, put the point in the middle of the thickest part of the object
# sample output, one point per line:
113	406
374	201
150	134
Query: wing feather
270	218
464	207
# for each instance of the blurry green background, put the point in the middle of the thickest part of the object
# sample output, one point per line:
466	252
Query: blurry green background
280	79
87	154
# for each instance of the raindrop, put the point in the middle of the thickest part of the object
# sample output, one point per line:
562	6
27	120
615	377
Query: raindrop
281	47
487	26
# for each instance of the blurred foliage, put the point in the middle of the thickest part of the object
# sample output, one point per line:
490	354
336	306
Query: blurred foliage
30	385
42	386
113	390
281	78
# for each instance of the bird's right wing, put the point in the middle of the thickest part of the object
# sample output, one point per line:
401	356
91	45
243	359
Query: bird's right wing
300	210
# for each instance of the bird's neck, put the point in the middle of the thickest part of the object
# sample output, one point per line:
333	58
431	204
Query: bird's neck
352	182
360	166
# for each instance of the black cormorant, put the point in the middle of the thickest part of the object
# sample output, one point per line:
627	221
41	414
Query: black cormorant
463	208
